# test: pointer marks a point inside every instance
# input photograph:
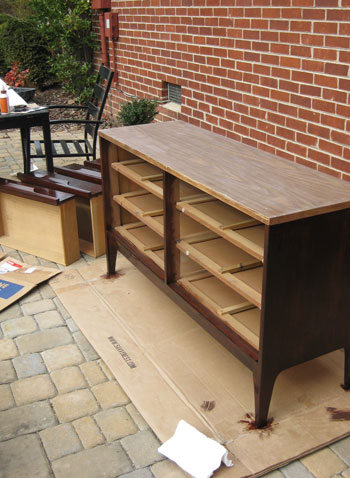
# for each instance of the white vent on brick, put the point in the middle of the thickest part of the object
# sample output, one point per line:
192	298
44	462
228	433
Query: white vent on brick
174	93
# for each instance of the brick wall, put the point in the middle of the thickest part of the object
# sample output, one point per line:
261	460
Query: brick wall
273	74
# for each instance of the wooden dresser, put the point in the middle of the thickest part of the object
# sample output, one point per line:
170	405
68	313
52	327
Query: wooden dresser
253	247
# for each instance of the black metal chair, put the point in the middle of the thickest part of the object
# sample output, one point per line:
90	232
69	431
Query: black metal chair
85	147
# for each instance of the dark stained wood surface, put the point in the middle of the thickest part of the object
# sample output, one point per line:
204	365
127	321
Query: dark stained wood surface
270	189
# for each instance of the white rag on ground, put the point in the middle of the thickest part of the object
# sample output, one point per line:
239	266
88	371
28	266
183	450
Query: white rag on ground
195	453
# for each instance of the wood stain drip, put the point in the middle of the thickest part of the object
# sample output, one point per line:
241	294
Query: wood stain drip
338	415
251	425
112	276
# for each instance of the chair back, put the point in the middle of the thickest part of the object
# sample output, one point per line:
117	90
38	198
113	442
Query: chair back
97	102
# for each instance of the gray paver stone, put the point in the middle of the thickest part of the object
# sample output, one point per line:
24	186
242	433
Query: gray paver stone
46	291
72	325
8	349
61	357
142	448
93	373
168	469
33	389
115	423
28	365
342	449
74	405
137	417
22	325
49	319
7	372
88	432
46	339
68	379
110	394
10	312
23	457
38	306
60	441
144	473
105	461
6	397
33	296
87	350
61	308
296	470
26	419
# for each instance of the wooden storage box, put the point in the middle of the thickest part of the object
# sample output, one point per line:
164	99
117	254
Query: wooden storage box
39	221
89	206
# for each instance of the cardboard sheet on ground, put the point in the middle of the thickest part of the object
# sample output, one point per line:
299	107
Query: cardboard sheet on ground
170	367
18	278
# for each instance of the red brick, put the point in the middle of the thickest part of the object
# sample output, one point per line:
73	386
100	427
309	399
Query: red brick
279	95
280	48
268	127
325	54
344	29
311	65
269	82
280	25
341	165
325	27
296	149
314	13
312	40
343	110
285	133
336	69
309	115
281	73
289	86
244	66
337	42
310	90
268	105
270	59
271	13
296	125
251	34
291	12
344	84
330	147
306	139
269	36
276	119
342	138
319	156
288	110
318	130
261	46
290	62
247	120
299	50
261	91
303	77
257	113
322	105
288	37
276	142
249	142
251	78
258	135
323	80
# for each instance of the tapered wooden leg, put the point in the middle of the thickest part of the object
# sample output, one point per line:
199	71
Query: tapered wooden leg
111	257
347	369
263	387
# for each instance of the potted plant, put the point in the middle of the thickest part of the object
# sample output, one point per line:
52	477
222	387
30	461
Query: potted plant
17	79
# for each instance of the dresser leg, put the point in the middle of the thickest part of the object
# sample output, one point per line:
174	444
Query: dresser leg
111	257
347	369
263	387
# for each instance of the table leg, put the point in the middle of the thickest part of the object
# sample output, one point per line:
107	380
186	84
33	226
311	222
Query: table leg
48	148
25	137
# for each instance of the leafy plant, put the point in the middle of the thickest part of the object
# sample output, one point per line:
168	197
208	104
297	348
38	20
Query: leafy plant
15	77
20	41
137	111
66	27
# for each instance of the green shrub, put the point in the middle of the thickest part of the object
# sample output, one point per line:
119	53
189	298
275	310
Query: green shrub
66	27
21	42
137	111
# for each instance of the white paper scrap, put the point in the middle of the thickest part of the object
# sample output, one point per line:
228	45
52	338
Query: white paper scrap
195	453
9	266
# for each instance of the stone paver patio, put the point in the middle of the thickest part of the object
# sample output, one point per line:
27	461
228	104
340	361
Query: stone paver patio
62	413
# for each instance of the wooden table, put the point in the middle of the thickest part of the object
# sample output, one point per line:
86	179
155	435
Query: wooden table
24	121
254	247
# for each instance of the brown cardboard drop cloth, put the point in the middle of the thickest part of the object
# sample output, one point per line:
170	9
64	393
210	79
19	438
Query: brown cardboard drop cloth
171	369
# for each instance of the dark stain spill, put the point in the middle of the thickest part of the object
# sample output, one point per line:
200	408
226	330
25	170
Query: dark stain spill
112	276
208	405
251	425
338	415
343	387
